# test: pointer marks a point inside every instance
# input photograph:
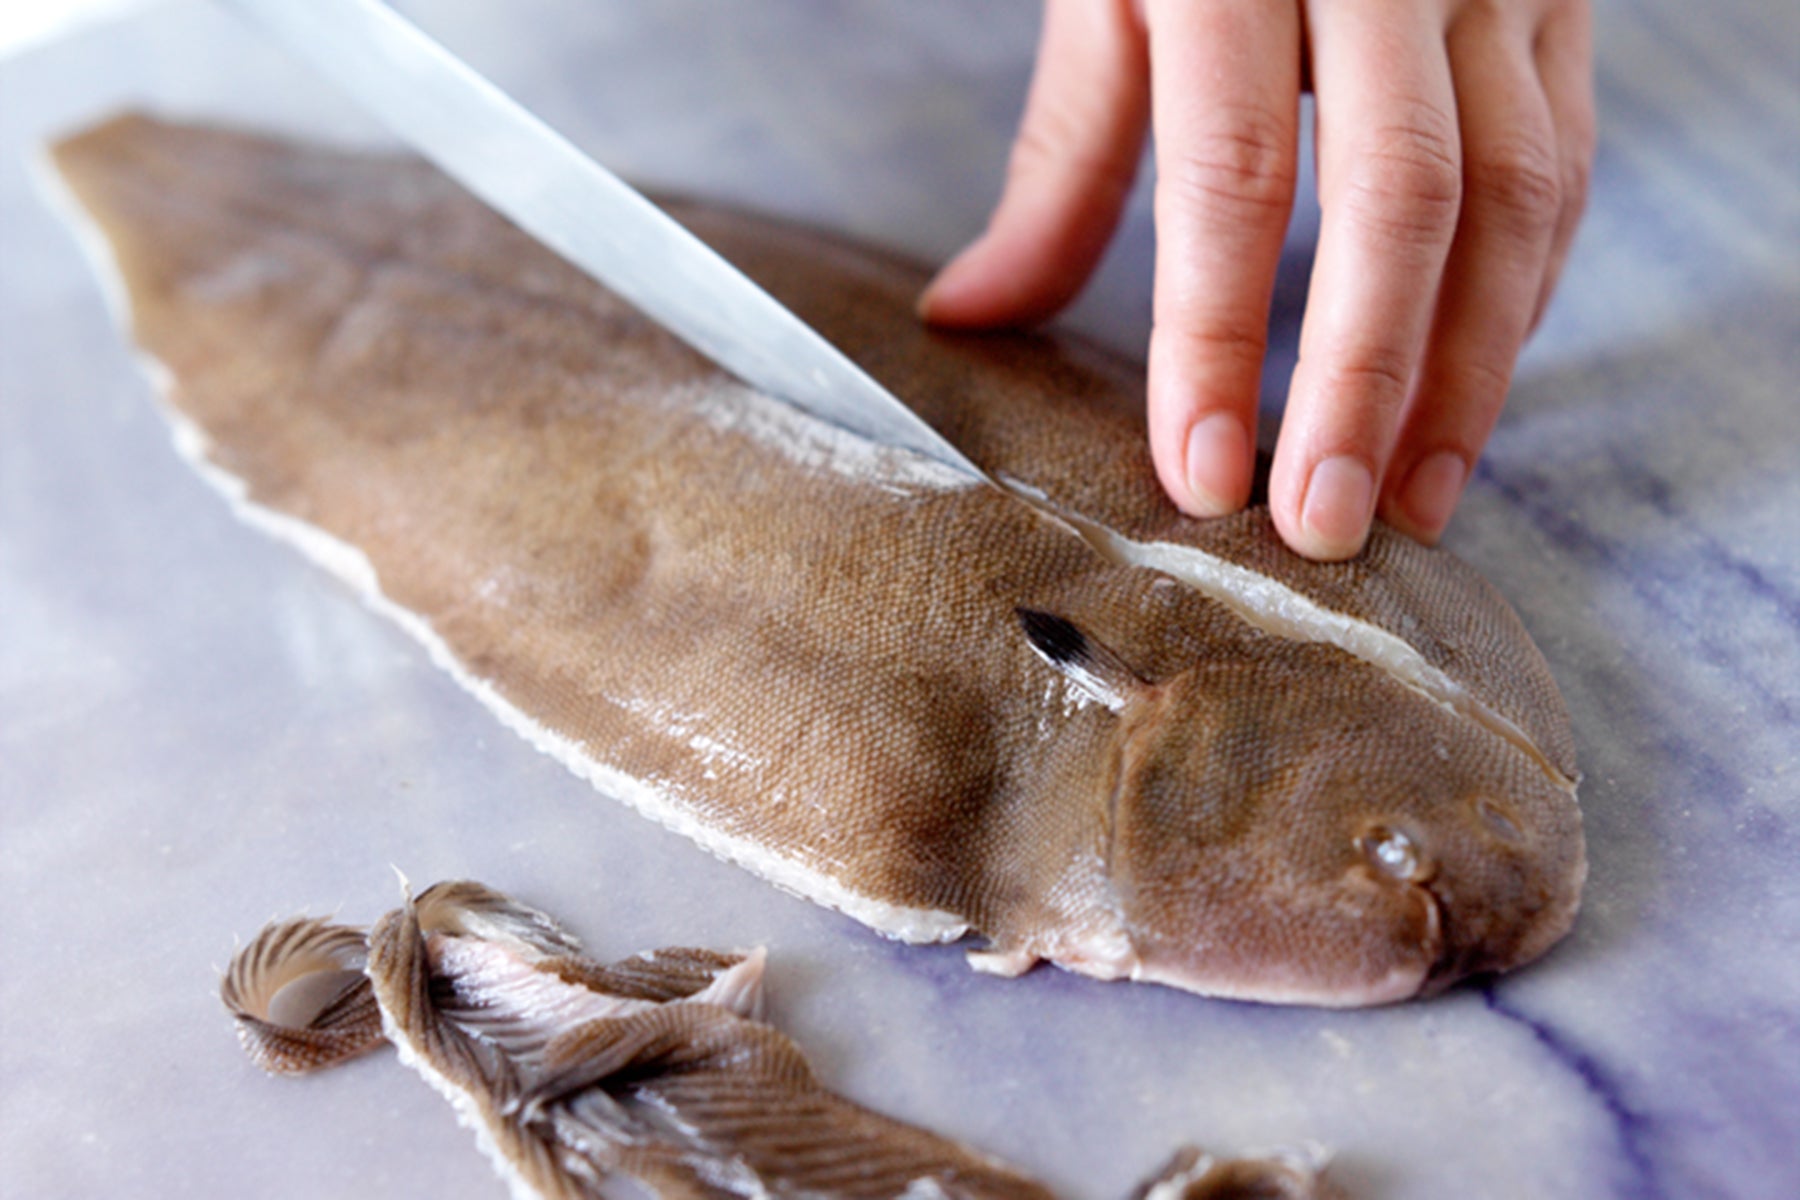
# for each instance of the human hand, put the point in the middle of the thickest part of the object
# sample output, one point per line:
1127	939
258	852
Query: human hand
1454	139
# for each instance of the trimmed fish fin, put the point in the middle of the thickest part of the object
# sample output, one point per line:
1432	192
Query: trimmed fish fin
738	988
1193	1174
470	909
587	1104
400	972
674	973
1091	666
599	1140
616	1053
299	997
574	1089
735	1102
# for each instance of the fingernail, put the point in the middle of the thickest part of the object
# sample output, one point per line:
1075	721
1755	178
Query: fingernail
1432	491
944	284
1216	458
1340	499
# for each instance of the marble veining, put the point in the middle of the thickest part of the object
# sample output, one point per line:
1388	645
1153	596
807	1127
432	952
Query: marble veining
1631	1126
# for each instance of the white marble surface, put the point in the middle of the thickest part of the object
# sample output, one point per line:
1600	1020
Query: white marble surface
199	731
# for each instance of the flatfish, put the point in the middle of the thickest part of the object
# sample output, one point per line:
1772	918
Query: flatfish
1047	710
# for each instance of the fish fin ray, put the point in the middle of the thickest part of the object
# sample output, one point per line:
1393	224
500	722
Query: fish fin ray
336	1022
1092	667
462	906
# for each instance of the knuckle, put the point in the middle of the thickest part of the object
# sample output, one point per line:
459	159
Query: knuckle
1407	182
1057	141
1372	380
1041	143
1578	138
1520	182
1221	339
1214	338
1577	178
1476	383
1243	168
1052	135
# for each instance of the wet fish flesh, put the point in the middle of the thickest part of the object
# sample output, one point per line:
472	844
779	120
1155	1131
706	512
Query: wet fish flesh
1052	712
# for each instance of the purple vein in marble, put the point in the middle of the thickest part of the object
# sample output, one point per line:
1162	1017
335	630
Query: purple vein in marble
1633	1128
1525	491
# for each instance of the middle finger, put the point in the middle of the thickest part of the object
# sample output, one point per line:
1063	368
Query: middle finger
1390	186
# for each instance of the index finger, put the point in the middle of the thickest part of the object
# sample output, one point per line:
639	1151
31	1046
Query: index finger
1225	100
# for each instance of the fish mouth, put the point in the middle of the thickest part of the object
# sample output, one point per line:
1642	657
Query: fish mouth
1465	950
1415	976
1442	950
1412	971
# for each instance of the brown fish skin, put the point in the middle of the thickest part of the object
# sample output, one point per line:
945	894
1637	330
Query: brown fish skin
1322	783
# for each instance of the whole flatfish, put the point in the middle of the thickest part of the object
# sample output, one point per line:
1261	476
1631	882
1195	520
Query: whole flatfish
1051	711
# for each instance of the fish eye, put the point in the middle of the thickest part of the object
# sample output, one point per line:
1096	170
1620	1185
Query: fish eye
1392	852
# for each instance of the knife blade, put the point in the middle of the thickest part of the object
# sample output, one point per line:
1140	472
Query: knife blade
495	147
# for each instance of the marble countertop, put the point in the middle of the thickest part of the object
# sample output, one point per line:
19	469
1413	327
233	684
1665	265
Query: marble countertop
200	731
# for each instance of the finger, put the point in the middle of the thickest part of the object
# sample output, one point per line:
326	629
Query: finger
1565	53
1071	170
1390	185
1225	81
1512	200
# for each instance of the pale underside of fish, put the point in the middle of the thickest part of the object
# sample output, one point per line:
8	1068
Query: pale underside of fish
1052	712
659	1070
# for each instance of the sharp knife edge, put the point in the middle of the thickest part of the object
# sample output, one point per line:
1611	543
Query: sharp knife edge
497	149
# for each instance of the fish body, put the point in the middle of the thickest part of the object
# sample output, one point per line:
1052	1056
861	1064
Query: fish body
1050	711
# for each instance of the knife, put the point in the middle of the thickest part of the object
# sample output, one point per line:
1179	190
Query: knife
489	143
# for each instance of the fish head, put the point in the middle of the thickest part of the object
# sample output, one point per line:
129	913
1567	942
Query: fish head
1303	829
1288	823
